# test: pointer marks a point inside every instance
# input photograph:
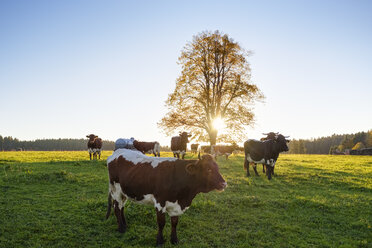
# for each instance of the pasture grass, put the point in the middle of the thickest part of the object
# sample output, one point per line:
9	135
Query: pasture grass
59	199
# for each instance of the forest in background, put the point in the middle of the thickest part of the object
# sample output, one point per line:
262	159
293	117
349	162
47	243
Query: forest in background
335	144
13	144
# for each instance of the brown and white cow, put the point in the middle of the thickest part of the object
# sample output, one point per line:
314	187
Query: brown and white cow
169	184
94	146
194	148
179	144
147	147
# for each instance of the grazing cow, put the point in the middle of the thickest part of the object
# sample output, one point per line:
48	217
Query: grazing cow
94	146
169	184
147	147
179	144
264	152
218	150
194	148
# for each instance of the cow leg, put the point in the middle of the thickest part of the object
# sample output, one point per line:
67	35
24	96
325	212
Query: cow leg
90	156
174	222
183	155
99	155
246	165
263	168
159	154
123	217
255	169
161	223
119	213
268	171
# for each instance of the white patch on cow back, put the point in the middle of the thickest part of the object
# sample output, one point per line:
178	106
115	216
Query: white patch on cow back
137	157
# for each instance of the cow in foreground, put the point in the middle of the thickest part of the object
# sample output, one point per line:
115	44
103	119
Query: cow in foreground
147	147
94	146
169	184
179	144
264	152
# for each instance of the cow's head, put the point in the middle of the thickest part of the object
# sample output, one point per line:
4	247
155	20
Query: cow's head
282	143
185	136
207	174
92	137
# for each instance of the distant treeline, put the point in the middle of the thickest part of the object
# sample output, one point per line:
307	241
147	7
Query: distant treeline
335	144
14	144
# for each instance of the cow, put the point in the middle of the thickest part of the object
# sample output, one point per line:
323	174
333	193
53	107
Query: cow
179	144
194	148
264	152
147	147
218	150
94	146
169	184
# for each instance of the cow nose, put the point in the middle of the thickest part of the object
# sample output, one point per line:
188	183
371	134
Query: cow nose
224	185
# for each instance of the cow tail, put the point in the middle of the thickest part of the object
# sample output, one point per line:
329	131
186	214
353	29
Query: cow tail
109	205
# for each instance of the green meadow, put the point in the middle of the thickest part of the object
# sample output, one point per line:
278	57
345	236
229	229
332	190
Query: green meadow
59	199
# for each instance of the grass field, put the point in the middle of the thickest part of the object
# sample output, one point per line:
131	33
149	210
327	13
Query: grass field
58	199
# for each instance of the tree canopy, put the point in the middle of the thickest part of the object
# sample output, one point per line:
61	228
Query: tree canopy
215	84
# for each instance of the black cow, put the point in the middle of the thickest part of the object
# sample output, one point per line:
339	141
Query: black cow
179	144
264	152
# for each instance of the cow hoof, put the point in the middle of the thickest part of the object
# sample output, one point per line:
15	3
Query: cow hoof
174	242
160	242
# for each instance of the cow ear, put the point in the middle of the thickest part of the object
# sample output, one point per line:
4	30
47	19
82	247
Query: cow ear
192	168
87	136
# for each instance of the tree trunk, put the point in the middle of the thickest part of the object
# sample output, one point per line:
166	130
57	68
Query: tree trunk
213	137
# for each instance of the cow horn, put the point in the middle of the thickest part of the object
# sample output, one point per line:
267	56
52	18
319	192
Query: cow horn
287	136
265	133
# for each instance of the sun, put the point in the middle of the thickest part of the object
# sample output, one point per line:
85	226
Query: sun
218	124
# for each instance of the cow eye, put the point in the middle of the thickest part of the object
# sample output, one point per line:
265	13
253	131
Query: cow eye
209	170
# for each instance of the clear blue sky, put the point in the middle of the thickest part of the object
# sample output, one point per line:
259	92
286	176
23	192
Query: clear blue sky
71	68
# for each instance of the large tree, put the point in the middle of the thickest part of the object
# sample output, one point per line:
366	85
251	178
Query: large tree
215	84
